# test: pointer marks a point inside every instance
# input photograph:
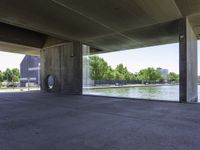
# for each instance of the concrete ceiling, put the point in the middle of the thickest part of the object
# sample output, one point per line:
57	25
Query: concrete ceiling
109	25
191	8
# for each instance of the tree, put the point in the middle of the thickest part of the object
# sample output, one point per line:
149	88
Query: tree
15	78
133	77
173	77
109	75
118	75
121	69
15	72
119	72
11	75
1	76
98	68
15	75
7	75
149	75
124	73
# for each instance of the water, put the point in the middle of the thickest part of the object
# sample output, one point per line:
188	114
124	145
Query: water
168	92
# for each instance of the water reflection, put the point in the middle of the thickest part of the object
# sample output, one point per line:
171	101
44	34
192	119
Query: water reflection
170	93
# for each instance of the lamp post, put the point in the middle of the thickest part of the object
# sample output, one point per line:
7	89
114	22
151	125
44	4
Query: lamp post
28	74
38	74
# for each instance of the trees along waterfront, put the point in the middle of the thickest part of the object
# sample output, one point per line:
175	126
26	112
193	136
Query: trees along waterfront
100	70
173	77
150	75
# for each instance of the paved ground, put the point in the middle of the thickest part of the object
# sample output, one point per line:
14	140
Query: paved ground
34	121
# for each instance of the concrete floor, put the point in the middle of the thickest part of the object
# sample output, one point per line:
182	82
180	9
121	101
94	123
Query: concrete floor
38	121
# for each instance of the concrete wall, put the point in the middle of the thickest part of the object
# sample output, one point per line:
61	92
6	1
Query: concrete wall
188	62
64	63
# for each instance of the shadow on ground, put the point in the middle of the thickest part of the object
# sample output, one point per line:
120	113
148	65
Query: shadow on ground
39	121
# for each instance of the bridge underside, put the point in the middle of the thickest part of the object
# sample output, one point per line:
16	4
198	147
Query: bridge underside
56	28
105	25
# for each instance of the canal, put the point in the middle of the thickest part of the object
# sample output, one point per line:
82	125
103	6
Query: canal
166	92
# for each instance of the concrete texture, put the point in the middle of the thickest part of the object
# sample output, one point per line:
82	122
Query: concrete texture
18	48
191	9
188	62
21	40
106	25
21	36
64	63
36	121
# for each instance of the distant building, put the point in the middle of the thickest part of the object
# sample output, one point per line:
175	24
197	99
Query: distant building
30	71
164	73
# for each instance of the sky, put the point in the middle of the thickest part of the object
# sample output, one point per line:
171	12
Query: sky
10	60
164	56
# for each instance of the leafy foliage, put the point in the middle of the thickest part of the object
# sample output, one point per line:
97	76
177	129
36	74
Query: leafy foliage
7	75
10	75
99	70
173	77
1	76
150	75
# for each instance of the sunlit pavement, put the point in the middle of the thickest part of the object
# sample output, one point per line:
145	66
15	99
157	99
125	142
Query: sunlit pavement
10	90
39	121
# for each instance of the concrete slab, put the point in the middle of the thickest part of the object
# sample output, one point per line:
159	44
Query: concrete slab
41	121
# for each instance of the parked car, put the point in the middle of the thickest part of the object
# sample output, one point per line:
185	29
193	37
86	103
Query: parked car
11	86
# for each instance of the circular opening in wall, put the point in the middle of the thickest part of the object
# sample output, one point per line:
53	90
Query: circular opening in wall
50	82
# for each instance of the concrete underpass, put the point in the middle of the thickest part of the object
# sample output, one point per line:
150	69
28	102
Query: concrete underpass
61	117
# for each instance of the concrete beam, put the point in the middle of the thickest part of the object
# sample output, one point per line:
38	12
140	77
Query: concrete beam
17	48
63	62
18	40
188	62
21	36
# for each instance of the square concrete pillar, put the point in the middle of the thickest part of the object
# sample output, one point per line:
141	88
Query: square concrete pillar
187	62
63	62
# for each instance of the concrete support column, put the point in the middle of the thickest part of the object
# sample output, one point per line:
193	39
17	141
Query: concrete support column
64	63
187	62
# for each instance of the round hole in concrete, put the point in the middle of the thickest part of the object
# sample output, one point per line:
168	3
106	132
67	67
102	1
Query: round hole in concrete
50	82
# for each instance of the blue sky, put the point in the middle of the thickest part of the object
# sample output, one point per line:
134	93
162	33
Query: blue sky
164	56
